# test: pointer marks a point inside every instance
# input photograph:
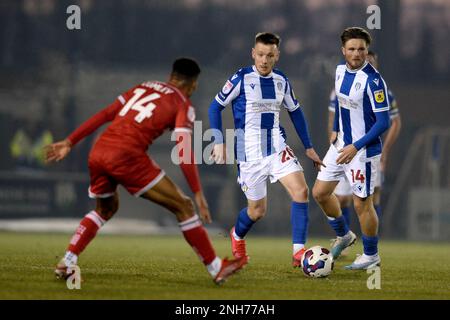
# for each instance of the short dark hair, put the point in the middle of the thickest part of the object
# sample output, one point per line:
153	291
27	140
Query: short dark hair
355	33
372	53
268	38
185	68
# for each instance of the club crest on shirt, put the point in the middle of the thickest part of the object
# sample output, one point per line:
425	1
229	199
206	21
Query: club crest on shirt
227	87
357	86
279	86
379	95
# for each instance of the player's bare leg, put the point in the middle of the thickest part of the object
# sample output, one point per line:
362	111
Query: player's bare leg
296	186
369	227
86	231
376	204
366	214
376	196
326	199
255	210
328	202
168	195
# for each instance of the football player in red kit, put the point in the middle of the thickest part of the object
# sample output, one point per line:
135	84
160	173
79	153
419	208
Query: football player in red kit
139	116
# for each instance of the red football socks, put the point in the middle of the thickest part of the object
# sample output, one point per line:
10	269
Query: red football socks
196	235
85	232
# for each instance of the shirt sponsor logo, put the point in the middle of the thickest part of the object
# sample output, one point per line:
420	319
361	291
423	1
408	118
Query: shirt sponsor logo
379	96
265	107
227	87
347	103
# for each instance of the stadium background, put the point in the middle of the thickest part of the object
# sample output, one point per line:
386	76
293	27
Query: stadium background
53	78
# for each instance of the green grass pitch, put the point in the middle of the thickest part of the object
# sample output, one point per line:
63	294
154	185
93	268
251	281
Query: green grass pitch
165	267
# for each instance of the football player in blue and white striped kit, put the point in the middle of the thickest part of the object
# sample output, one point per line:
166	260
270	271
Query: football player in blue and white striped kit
343	190
361	116
257	94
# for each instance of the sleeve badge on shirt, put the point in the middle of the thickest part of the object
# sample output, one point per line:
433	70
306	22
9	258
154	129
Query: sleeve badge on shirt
379	95
191	114
227	87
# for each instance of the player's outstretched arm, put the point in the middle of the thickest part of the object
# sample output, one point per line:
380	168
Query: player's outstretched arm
57	151
301	127
96	121
190	171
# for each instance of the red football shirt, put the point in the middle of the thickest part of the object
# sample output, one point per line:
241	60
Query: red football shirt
141	115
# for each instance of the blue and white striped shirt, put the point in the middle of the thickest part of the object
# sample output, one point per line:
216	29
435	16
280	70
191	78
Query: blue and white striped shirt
256	102
360	94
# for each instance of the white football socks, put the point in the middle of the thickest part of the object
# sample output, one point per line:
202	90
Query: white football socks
70	259
214	267
236	237
297	247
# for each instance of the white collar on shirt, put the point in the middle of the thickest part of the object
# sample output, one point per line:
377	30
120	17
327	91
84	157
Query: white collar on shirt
270	75
355	70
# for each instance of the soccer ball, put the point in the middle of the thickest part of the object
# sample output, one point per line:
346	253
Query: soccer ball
317	262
